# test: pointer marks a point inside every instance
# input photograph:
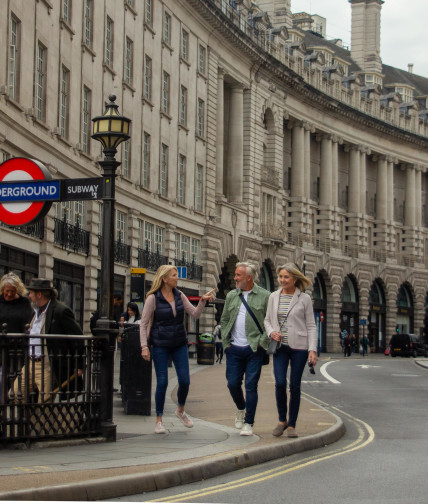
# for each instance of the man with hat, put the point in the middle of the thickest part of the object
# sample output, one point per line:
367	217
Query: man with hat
51	369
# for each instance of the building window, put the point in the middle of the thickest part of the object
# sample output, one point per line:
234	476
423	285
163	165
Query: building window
183	106
64	103
126	158
148	78
88	22
159	239
202	60
201	117
109	42
148	17
86	120
146	160
185	248
181	182
165	93
41	82
71	212
14	57
129	56
199	180
120	226
196	245
185	45
149	236
167	28
163	184
140	234
4	156
66	11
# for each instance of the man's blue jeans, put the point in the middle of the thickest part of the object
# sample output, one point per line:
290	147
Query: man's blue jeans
180	358
240	361
297	360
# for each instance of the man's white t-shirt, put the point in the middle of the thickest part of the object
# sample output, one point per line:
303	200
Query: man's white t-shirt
239	337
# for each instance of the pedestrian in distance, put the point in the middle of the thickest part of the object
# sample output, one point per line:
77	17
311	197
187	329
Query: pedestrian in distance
164	337
364	345
290	321
245	343
347	345
218	343
15	313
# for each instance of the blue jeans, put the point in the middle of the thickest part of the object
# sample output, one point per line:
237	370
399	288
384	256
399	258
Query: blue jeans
240	361
297	360
180	358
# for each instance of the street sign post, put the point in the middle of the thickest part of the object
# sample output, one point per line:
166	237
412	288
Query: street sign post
27	191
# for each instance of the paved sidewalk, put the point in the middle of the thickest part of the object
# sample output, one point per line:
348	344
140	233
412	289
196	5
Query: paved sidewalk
142	461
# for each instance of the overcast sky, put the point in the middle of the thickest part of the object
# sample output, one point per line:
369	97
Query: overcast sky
404	34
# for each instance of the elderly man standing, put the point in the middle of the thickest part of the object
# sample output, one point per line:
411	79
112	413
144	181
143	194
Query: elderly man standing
65	356
245	343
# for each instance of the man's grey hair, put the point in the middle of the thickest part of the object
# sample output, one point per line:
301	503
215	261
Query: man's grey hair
250	269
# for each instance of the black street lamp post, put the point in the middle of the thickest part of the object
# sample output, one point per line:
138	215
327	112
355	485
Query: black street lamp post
110	129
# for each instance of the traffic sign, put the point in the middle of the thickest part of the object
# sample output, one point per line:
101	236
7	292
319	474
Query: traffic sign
20	213
363	321
322	316
182	272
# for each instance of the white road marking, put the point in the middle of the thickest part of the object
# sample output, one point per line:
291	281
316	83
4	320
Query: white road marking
326	375
365	366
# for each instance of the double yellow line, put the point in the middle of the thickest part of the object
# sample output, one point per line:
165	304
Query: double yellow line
365	436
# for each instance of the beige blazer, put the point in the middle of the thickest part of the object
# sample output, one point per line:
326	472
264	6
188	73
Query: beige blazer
302	333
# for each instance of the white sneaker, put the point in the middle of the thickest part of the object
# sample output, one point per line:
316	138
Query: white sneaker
184	418
239	419
247	430
159	429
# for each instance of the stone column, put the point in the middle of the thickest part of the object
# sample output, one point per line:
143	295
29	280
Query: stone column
409	214
297	161
354	180
381	189
327	188
307	156
220	133
390	189
418	191
235	169
363	180
334	171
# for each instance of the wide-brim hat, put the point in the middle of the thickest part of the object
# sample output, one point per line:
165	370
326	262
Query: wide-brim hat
39	284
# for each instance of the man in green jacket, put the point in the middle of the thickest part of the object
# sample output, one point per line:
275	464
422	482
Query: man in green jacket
245	343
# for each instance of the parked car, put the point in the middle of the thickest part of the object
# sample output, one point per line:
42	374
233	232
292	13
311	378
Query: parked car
407	345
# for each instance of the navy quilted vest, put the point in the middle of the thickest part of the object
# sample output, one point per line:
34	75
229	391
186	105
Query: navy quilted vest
167	330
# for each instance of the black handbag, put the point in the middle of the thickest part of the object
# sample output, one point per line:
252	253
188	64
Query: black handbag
250	311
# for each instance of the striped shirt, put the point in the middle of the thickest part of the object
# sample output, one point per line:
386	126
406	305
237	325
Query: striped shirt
284	305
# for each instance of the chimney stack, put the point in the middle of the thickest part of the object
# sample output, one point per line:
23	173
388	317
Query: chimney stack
410	67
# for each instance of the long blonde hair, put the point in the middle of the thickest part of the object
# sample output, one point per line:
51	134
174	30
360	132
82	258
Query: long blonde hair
161	273
302	282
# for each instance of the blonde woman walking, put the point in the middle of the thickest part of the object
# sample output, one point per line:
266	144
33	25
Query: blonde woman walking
163	335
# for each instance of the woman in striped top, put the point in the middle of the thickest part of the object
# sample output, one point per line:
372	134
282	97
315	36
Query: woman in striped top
290	320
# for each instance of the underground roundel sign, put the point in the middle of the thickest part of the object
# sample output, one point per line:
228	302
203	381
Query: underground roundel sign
19	170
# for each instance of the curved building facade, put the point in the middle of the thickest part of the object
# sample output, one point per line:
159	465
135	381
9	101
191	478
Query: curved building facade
253	138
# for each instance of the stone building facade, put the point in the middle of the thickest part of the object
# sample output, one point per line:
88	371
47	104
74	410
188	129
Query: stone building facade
251	140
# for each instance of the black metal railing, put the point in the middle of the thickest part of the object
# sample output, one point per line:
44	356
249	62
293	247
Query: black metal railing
150	260
36	230
121	251
194	271
71	237
50	387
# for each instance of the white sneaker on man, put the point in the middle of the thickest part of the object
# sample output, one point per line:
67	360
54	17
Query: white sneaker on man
247	430
239	419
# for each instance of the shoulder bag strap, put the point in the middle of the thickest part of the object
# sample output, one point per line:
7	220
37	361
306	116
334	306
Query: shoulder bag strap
250	311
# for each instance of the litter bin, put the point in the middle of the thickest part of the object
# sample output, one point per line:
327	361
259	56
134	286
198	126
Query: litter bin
136	374
205	349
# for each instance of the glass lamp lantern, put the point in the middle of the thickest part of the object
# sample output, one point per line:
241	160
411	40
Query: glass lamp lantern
111	128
